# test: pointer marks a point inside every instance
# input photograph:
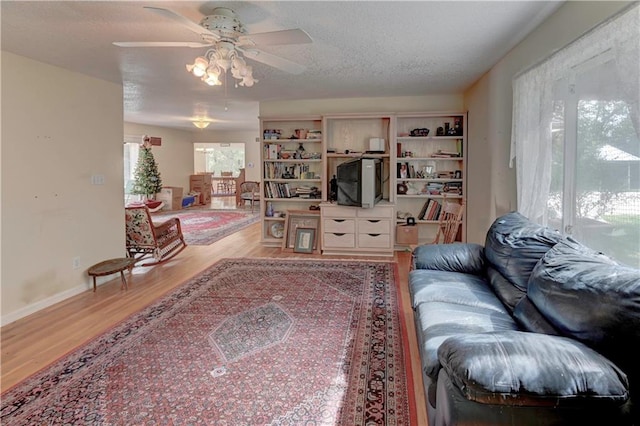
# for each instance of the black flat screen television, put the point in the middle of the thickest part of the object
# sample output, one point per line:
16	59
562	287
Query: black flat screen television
360	182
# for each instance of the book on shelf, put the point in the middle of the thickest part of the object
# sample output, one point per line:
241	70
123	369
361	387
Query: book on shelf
423	210
271	151
452	188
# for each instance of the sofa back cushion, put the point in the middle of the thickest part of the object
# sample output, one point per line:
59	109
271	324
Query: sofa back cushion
590	297
514	245
530	318
508	293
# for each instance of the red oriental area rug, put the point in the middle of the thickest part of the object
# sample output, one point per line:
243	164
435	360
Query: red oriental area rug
247	342
204	227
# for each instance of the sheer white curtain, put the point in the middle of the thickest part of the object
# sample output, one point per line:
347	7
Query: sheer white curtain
531	142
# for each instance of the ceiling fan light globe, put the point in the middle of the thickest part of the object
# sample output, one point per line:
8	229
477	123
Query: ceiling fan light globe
238	73
201	62
211	80
248	81
238	62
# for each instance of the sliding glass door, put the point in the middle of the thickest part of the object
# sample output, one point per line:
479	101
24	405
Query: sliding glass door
595	175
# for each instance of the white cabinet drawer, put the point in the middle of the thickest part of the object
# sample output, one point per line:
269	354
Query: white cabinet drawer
339	226
374	240
339	240
374	226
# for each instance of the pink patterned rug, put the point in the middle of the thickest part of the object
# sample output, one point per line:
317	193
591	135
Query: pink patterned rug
247	342
202	227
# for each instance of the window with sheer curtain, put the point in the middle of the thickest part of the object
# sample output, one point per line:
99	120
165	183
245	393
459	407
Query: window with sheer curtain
575	138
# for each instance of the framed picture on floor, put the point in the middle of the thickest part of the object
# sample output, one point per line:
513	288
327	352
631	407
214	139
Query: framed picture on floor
295	219
305	240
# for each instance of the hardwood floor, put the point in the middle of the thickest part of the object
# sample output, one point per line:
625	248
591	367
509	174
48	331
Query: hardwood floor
33	342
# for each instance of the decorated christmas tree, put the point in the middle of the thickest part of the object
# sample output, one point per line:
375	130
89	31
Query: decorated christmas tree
147	180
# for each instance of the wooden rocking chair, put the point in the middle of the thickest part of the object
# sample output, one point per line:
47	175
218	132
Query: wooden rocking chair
449	222
144	239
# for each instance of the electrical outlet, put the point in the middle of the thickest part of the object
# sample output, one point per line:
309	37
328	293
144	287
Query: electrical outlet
76	263
97	179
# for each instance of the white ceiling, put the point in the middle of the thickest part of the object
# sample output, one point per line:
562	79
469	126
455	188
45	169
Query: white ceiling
359	49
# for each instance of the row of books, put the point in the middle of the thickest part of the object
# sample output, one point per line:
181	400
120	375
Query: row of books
286	171
430	210
284	190
438	188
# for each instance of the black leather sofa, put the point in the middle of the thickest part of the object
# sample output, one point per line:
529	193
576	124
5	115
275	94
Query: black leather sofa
530	329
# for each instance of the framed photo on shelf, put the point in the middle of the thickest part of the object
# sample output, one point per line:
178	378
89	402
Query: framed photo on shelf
305	240
295	219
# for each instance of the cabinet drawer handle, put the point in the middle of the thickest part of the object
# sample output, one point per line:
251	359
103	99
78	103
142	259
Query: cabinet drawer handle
375	235
338	220
339	234
373	221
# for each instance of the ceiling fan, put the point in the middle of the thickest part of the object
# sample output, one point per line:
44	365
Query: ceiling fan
225	35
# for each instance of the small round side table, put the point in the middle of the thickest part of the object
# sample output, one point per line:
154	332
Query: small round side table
111	266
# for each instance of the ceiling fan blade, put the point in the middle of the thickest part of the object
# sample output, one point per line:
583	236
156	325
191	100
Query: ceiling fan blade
196	28
161	44
272	38
273	61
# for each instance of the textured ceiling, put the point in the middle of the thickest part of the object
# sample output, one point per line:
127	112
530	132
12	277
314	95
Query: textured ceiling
359	49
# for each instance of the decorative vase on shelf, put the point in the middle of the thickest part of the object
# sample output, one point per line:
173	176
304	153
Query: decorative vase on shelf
269	212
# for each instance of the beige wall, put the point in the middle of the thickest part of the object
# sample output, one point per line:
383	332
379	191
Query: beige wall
174	157
492	184
57	132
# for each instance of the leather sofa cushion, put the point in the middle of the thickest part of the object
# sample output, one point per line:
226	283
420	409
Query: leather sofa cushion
437	321
521	368
452	287
456	257
590	297
514	245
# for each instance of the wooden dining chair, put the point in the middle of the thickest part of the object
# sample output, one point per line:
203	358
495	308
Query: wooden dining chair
227	184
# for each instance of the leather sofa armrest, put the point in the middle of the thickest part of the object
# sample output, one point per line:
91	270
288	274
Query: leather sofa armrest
456	257
532	369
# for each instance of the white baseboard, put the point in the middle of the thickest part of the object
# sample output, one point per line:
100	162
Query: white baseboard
45	303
